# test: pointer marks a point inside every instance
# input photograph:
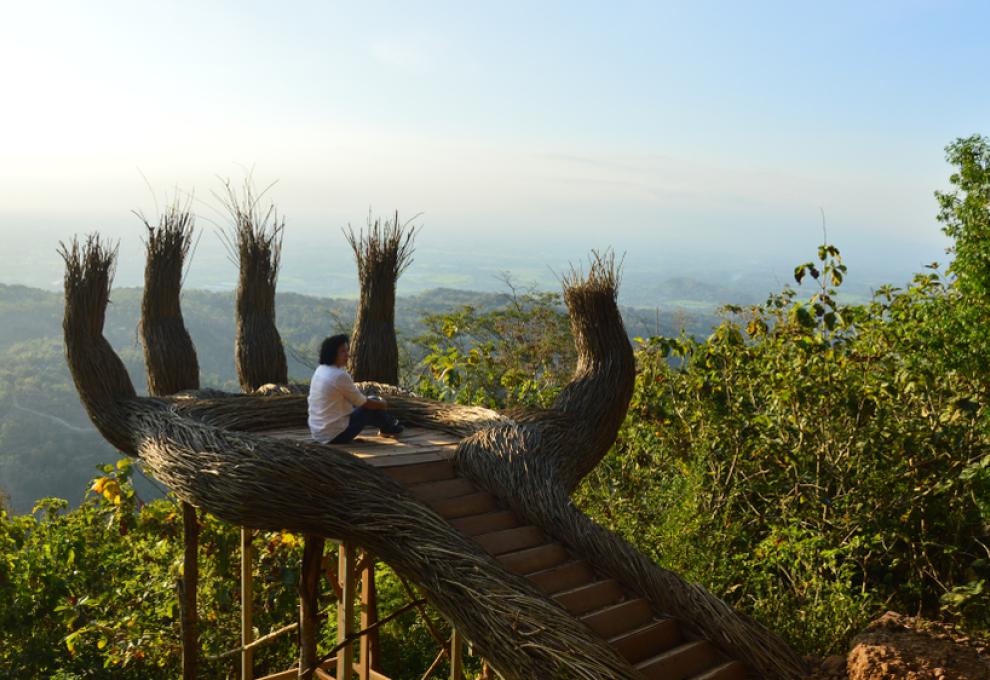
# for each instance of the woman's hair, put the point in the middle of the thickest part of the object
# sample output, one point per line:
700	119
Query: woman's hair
329	349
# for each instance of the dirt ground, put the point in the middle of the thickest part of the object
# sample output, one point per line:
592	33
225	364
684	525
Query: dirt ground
898	646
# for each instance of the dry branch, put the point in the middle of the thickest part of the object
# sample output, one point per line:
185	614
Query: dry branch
255	238
97	371
169	354
382	254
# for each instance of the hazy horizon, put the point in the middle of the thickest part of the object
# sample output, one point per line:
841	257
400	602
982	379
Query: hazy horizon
323	265
701	141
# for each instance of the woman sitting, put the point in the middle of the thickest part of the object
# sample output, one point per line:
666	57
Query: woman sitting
338	410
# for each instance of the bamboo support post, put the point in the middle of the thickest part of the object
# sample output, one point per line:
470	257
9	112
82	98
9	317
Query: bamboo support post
247	600
309	590
368	654
436	662
345	612
425	617
189	584
456	656
257	642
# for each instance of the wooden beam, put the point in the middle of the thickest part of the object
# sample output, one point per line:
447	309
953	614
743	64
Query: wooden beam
425	616
257	642
345	612
247	600
290	674
309	591
436	662
456	656
368	654
187	596
330	571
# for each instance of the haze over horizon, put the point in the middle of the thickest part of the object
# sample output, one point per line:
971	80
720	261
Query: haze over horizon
699	140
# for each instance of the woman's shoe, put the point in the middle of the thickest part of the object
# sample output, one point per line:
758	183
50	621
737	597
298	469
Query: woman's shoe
394	431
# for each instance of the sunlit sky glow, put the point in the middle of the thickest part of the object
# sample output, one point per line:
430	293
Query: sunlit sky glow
716	129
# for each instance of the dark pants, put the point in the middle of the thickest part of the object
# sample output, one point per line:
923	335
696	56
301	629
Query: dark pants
361	418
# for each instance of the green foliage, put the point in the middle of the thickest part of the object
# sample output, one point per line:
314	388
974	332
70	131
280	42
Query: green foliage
965	213
518	354
92	591
965	216
830	454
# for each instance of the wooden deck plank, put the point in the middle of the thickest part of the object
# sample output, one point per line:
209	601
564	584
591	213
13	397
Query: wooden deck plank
462	506
414	446
441	451
445	488
473	525
563	577
679	663
535	559
378	451
422	472
503	541
647	641
400	461
591	596
620	618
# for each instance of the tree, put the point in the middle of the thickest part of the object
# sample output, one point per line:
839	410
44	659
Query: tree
520	354
965	213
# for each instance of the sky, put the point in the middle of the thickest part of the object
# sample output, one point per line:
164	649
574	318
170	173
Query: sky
702	136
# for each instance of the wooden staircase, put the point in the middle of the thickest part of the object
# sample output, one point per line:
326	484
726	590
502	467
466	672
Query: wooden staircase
654	645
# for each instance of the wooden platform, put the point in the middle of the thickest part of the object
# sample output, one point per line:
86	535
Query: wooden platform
414	445
654	645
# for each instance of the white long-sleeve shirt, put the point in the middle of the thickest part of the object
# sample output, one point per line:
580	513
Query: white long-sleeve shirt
332	397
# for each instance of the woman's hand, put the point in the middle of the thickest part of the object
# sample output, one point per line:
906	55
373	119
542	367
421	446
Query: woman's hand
375	404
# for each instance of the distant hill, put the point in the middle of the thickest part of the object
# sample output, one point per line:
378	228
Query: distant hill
48	446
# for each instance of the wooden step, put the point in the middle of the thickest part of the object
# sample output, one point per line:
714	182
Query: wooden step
511	540
421	472
534	559
462	506
445	488
733	670
681	662
642	643
386	462
485	523
590	596
619	618
563	577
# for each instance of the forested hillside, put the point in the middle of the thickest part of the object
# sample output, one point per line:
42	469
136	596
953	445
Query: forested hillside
48	446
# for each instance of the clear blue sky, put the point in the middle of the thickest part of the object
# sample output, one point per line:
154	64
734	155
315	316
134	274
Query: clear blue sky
706	127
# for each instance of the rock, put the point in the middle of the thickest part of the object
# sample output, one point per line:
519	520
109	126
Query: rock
896	646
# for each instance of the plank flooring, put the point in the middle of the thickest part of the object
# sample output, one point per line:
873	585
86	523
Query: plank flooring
415	445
